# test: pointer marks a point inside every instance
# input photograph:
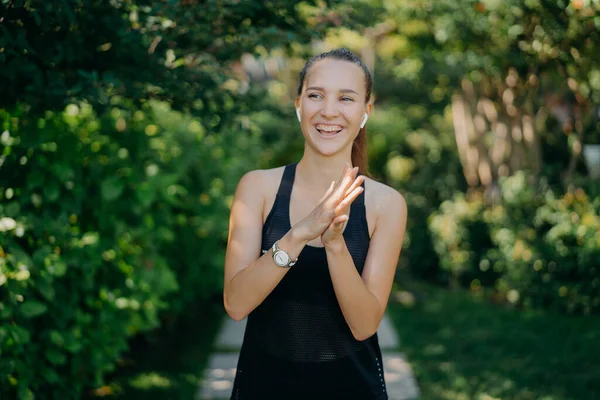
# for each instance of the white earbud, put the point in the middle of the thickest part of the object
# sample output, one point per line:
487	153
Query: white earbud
364	121
298	113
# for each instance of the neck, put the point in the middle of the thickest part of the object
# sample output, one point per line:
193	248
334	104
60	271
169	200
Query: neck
319	171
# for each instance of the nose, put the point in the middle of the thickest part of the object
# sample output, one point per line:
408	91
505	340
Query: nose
330	109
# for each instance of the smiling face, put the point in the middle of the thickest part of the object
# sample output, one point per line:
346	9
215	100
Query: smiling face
332	105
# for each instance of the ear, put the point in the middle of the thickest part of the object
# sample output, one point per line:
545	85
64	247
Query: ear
364	120
297	105
367	114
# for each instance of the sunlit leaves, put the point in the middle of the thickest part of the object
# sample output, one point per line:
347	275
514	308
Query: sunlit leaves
537	248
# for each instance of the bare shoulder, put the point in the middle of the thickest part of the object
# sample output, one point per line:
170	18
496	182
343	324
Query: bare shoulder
383	200
261	185
260	181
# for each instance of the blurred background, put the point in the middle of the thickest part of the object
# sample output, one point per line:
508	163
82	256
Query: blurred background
126	125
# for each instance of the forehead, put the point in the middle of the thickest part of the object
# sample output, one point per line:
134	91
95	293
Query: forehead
336	74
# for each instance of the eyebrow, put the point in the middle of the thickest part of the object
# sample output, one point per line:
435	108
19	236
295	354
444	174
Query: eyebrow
322	89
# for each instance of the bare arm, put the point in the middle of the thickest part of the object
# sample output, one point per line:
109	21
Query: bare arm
249	278
363	299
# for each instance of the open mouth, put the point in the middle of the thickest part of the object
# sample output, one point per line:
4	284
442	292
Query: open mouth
328	130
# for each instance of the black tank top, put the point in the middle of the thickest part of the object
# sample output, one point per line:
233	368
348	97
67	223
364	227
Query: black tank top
297	344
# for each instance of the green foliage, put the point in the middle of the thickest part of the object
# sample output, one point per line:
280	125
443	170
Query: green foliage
536	250
540	58
550	247
437	45
177	50
107	222
462	241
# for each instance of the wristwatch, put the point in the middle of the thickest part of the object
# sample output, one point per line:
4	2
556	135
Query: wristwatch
281	257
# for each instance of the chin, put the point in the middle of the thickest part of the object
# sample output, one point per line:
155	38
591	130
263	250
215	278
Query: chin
328	149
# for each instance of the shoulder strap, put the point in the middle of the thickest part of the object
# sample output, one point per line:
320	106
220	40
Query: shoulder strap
287	180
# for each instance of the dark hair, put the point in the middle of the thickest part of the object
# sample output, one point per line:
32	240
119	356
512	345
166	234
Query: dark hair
359	147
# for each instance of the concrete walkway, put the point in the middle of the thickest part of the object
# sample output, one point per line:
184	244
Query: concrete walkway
218	377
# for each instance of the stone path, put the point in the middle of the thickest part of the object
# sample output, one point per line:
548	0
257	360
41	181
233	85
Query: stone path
218	377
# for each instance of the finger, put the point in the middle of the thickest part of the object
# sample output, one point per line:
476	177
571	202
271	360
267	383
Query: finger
357	182
331	187
348	200
346	182
341	219
338	223
347	173
351	186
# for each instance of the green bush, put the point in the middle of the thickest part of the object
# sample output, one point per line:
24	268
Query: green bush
414	151
106	222
551	252
463	242
537	249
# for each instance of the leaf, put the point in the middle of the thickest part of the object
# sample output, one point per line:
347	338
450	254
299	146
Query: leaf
56	357
46	289
145	194
57	339
34	180
32	308
63	172
60	268
20	334
111	189
27	395
49	375
73	345
5	313
52	192
12	209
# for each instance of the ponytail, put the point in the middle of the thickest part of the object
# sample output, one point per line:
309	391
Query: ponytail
359	152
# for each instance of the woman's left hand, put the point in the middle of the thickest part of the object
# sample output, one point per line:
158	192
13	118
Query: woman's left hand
334	232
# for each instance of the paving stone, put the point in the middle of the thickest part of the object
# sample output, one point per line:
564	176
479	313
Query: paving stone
231	334
399	377
218	377
388	339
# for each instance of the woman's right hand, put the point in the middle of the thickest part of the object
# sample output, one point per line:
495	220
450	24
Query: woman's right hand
337	198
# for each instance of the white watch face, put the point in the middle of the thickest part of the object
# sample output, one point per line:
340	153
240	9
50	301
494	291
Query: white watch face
281	258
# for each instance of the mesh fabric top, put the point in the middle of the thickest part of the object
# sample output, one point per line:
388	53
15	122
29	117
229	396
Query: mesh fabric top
297	344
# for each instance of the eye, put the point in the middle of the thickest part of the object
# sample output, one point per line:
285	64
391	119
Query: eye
346	98
314	96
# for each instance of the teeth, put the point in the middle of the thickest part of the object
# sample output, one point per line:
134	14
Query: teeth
329	128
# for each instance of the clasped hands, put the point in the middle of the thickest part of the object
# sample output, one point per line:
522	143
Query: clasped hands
329	218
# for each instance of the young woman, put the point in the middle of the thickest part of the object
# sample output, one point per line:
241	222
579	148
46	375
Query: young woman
312	252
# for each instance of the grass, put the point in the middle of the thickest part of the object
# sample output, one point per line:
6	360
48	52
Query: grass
463	347
168	364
